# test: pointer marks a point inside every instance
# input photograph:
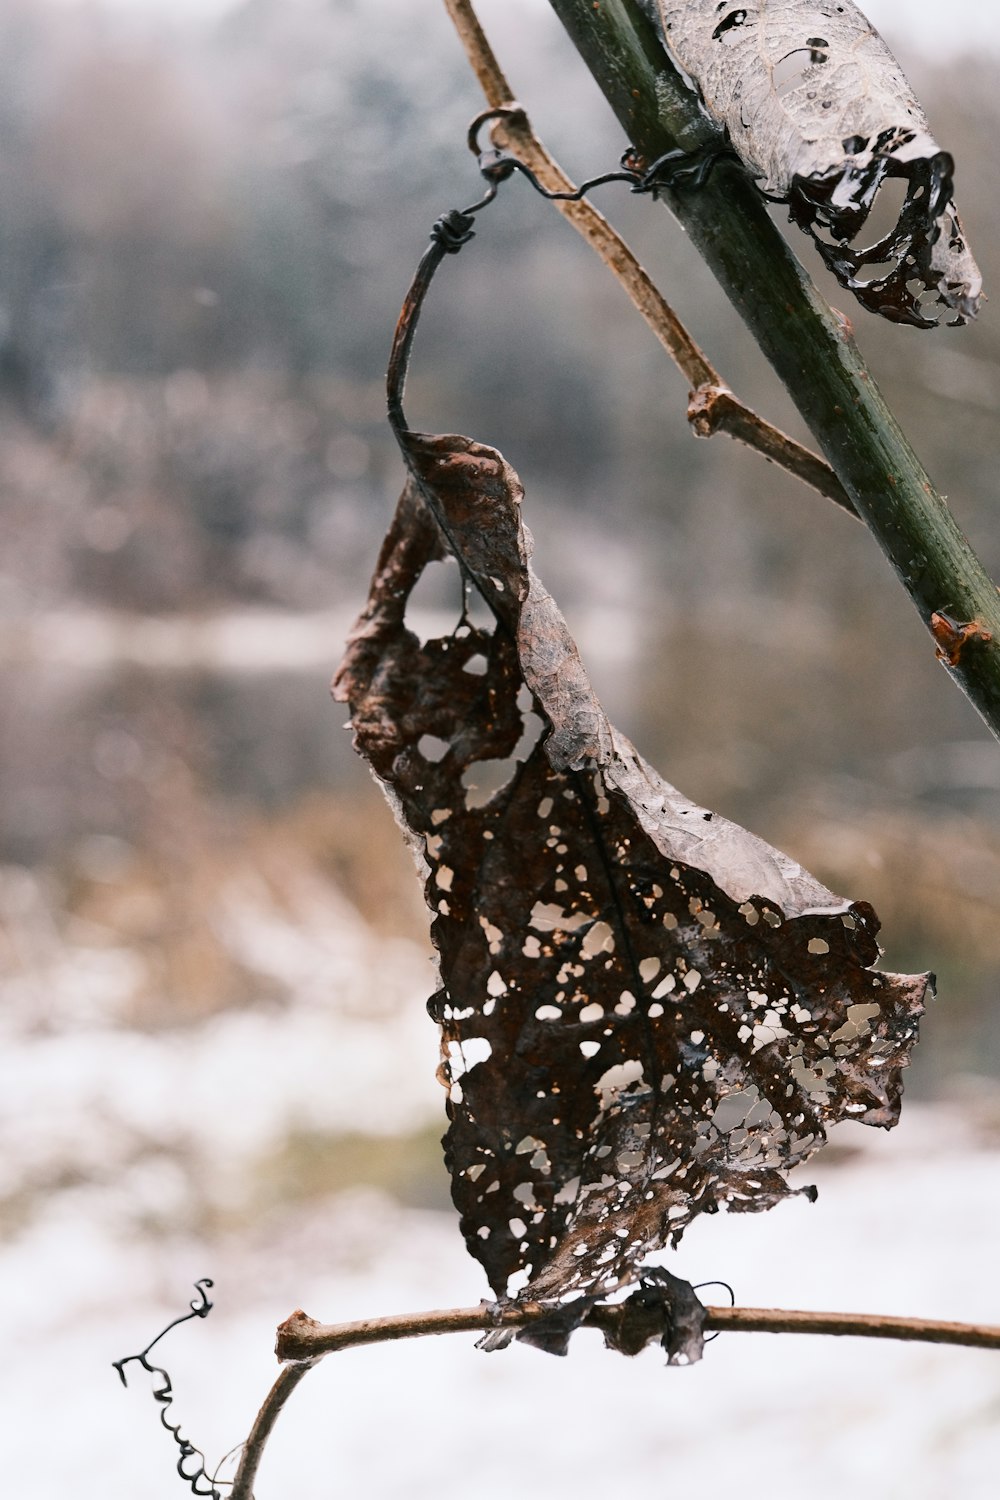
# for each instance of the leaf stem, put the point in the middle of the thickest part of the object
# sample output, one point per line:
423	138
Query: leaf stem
810	346
709	392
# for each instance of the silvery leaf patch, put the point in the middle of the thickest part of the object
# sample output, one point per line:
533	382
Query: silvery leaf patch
820	113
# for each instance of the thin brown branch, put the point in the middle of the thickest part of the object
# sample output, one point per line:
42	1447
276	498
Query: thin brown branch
482	58
302	1342
855	1325
302	1338
713	408
253	1448
728	413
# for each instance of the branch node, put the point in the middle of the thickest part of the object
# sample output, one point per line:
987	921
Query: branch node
288	1340
952	636
707	408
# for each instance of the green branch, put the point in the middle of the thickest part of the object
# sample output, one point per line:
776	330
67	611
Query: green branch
808	344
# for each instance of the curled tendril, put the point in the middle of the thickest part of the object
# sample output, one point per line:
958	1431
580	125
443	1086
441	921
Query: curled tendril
191	1461
676	169
454	229
732	1301
512	111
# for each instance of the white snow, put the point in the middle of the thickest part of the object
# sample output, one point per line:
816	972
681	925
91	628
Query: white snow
910	1226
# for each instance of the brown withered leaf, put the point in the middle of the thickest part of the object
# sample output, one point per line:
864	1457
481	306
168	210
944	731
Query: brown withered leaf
664	1310
646	1012
820	112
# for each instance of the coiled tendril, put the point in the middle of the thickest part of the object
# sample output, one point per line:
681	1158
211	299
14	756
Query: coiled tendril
194	1474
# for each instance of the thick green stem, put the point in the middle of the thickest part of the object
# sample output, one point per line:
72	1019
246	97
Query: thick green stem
809	345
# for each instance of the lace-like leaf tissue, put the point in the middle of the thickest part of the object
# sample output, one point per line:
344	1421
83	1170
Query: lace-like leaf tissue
646	1012
819	111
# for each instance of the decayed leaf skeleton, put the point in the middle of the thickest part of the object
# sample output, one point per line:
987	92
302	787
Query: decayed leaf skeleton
818	110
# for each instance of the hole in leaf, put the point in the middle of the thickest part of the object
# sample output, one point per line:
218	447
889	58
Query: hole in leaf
858	1022
432	748
484	778
789	71
465	1055
547	917
885	210
729	23
548	1013
878	270
568	1192
619	1077
600	939
435	600
526	1145
733	1109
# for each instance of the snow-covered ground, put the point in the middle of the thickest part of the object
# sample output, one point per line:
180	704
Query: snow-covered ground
128	1131
910	1225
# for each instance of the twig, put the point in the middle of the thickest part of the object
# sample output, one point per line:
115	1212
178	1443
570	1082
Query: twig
713	408
253	1448
807	343
301	1338
302	1343
709	391
854	1325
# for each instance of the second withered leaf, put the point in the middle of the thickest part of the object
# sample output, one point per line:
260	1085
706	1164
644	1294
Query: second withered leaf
646	1012
819	111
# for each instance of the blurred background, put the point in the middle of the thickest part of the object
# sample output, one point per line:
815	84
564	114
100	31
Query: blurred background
215	1054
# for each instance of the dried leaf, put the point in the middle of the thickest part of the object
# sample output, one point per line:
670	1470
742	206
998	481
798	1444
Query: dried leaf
646	1012
552	1332
819	111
